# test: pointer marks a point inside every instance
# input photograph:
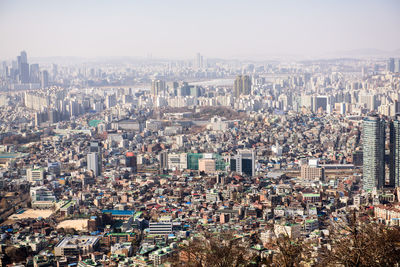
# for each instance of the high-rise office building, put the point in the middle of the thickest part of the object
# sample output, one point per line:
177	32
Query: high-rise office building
24	73
173	88
44	79
4	69
163	157
55	71
131	161
74	109
242	86
23	57
157	87
34	73
312	171
199	63
373	153
244	162
93	163
111	101
193	160
14	70
53	116
320	103
395	152
23	67
390	65
368	100
397	65
96	147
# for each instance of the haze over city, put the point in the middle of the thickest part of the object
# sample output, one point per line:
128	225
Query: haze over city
219	29
199	133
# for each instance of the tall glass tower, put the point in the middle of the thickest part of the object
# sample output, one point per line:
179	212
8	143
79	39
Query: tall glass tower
95	157
395	152
374	153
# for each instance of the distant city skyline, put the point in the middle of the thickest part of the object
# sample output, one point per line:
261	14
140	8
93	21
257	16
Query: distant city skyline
180	29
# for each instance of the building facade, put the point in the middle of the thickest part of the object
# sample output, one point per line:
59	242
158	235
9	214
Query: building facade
395	152
373	153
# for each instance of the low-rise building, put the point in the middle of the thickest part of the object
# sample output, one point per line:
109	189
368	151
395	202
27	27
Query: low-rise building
77	245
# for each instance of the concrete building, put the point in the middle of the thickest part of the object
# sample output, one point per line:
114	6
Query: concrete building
93	163
157	87
177	161
35	175
76	245
160	228
395	152
373	153
95	157
207	165
41	197
163	159
242	86
159	256
291	230
312	171
244	162
131	161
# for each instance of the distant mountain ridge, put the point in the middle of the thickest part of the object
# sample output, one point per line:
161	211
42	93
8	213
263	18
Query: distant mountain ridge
367	52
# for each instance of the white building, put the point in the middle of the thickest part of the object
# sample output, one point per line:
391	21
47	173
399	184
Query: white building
76	245
41	197
35	175
177	161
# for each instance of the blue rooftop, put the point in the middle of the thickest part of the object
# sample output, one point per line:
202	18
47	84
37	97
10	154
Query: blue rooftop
119	212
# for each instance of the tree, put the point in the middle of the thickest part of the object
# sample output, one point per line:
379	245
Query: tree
3	203
362	243
17	255
290	252
222	250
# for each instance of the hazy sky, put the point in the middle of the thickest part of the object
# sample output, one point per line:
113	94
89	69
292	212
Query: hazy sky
179	29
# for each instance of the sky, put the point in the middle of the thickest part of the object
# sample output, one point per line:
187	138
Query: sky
182	28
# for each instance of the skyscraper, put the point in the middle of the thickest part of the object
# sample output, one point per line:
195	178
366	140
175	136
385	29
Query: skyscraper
95	148
157	87
34	73
111	101
23	67
55	71
368	100
390	65
199	61
373	153
93	163
44	79
395	152
397	65
24	73
131	161
242	86
320	102
163	157
244	162
23	57
74	109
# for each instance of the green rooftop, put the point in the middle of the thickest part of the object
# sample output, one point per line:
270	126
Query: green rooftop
311	195
94	123
68	204
120	234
